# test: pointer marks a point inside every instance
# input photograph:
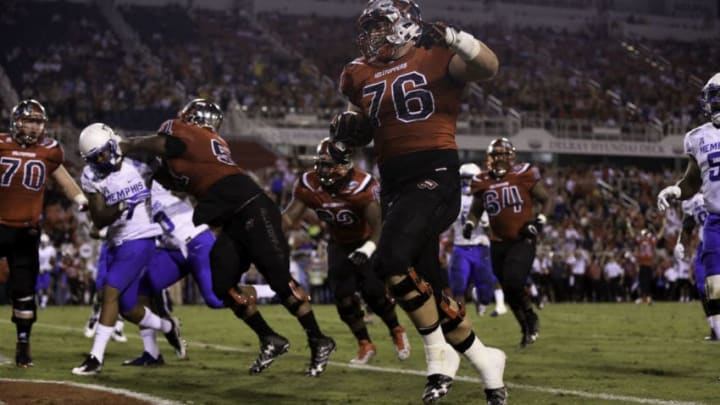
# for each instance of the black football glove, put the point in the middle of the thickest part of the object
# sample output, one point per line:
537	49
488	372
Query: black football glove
533	228
351	129
358	258
468	229
433	34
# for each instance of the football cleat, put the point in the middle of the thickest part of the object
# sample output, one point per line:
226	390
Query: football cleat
22	355
176	341
436	387
90	366
271	347
90	326
118	336
366	352
712	336
497	396
320	350
401	342
498	311
145	359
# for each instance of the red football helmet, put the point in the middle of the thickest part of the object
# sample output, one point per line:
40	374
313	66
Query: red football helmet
27	122
202	113
386	25
500	157
333	163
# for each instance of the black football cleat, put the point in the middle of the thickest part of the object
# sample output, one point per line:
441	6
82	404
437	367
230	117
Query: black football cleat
320	350
176	341
436	387
90	366
22	355
271	347
145	359
497	396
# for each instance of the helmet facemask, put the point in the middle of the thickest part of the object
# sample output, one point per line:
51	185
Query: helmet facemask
500	157
333	164
387	25
105	159
710	101
27	122
202	113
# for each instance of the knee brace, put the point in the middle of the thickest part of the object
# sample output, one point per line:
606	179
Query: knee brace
296	298
24	309
241	299
350	311
452	313
382	305
712	290
411	292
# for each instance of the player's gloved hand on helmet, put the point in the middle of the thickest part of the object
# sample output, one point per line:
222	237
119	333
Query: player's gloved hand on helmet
81	202
362	255
468	229
679	251
432	34
666	196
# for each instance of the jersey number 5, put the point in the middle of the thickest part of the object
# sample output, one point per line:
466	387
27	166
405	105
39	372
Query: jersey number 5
412	105
33	172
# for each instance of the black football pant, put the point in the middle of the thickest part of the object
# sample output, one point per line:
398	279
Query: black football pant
512	263
20	247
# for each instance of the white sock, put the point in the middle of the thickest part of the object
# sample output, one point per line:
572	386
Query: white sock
499	298
102	337
715	319
150	342
119	325
152	321
489	363
710	322
436	337
533	290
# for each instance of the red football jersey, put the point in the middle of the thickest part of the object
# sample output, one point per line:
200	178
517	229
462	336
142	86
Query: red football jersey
344	212
412	102
507	200
206	158
23	174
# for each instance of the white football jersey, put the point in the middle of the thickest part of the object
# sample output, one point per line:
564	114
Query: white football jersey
703	143
46	254
133	177
695	208
479	236
174	217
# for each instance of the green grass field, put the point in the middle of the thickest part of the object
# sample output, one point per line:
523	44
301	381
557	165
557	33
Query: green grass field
586	354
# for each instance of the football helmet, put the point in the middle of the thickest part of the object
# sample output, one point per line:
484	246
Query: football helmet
500	157
386	25
202	113
28	112
98	145
710	99
467	172
333	163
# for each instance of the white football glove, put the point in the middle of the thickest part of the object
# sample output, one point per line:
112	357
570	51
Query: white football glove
679	251
666	195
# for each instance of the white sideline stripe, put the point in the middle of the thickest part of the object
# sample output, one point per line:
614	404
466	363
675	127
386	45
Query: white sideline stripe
119	391
525	387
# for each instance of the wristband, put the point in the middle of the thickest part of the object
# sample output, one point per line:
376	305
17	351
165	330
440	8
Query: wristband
80	199
368	248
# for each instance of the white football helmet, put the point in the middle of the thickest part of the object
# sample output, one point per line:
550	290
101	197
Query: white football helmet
98	146
710	99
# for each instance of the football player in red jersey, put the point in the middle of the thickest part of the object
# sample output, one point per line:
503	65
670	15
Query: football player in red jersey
346	199
507	192
27	157
408	86
198	161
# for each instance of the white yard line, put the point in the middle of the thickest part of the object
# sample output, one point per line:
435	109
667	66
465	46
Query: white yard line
119	391
547	390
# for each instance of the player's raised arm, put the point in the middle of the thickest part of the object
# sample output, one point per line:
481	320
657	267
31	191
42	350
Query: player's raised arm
160	145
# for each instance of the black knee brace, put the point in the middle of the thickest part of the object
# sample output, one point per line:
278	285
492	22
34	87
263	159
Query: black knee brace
411	283
295	299
451	313
350	311
239	302
24	310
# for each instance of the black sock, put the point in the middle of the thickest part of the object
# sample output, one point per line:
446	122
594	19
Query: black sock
23	333
391	322
361	334
257	323
309	323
